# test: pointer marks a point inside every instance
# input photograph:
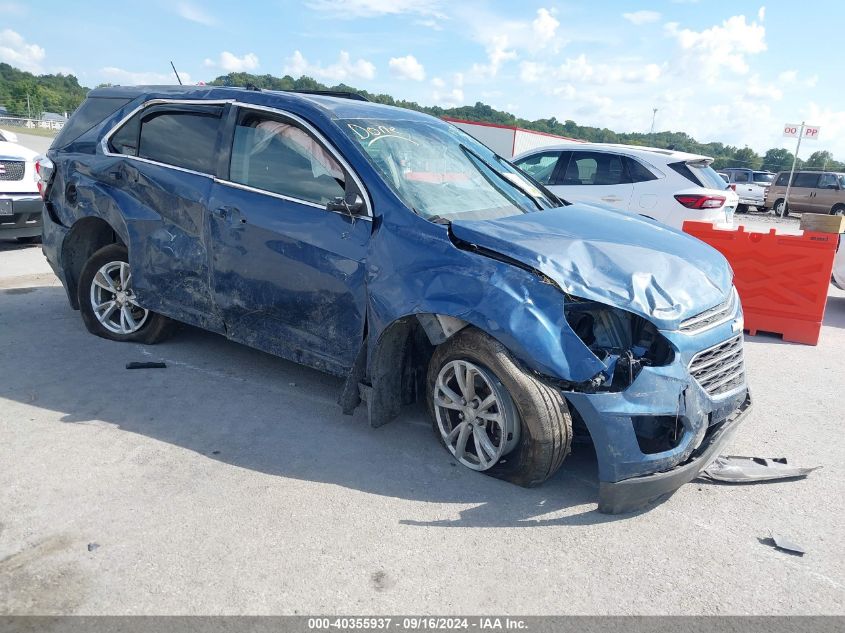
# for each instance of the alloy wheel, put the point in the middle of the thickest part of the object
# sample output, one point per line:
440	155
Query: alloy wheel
113	300
475	415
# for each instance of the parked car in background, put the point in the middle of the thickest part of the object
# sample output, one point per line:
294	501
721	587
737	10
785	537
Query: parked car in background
750	185
811	192
666	185
7	136
20	203
390	248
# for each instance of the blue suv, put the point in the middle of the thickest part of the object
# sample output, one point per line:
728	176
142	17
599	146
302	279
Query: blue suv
390	248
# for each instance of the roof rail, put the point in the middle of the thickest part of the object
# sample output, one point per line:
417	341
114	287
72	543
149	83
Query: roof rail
333	93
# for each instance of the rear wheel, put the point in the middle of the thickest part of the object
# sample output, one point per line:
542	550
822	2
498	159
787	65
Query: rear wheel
781	208
742	208
839	209
32	239
491	415
107	300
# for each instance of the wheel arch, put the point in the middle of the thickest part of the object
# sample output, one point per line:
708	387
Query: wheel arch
86	237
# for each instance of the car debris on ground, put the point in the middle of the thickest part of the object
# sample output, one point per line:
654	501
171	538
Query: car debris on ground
737	469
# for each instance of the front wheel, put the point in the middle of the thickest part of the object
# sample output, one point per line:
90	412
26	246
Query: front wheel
107	300
780	208
839	209
491	415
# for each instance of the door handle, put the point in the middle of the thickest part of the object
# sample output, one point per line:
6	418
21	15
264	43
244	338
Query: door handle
612	199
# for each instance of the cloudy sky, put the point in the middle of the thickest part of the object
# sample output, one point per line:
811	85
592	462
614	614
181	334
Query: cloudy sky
725	71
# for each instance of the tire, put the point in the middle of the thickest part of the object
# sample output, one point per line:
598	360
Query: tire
148	328
741	208
780	208
838	209
32	239
540	417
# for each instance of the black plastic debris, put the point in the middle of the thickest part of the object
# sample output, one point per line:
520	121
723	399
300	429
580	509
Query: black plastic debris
93	546
783	544
136	365
736	469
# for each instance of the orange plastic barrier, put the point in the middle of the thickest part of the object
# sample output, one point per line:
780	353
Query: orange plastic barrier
782	279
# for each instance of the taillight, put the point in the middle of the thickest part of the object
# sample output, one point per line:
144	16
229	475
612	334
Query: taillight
697	201
732	186
43	174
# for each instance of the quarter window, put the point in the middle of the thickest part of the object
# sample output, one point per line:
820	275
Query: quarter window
782	180
740	176
638	172
595	168
280	157
541	166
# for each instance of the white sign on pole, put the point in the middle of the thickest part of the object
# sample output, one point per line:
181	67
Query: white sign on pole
799	130
811	132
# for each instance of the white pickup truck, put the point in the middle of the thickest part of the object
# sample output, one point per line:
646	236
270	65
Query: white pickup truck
750	185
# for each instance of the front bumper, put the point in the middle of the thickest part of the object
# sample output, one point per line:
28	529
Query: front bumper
25	217
633	494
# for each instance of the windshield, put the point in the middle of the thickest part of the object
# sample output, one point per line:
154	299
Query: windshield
441	172
706	175
763	177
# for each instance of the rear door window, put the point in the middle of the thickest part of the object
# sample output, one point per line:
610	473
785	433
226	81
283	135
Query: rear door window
182	136
595	168
540	166
740	176
828	181
805	180
278	156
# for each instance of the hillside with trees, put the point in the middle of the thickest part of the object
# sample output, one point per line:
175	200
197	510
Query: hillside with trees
62	93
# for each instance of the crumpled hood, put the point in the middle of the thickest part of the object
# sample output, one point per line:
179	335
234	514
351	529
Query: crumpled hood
616	258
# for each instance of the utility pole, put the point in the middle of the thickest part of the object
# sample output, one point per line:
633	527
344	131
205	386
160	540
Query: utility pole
653	117
792	171
28	108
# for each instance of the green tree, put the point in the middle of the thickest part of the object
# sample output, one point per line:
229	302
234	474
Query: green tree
747	157
778	159
820	160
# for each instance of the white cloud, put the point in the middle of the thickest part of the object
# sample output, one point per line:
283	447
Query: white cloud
232	63
296	65
708	53
642	17
448	97
122	77
193	13
580	70
347	9
14	50
407	68
505	40
761	13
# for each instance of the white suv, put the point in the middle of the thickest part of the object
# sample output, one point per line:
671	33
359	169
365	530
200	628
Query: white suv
662	184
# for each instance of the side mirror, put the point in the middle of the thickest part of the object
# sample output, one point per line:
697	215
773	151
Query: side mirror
352	204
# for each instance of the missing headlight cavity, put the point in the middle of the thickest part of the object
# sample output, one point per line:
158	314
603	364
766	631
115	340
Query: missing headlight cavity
623	341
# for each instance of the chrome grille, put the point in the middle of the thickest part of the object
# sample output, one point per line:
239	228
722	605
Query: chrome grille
721	368
11	170
712	317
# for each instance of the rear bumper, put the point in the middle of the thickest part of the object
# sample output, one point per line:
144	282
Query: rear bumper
25	220
633	494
